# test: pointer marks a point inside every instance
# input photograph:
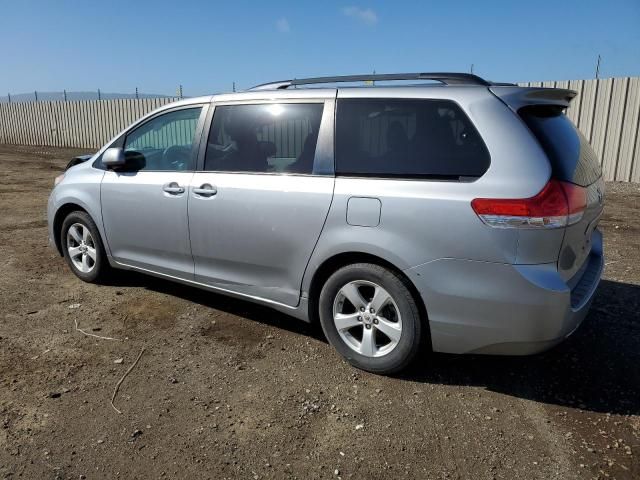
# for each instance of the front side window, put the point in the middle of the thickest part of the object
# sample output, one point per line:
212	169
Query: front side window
164	142
407	138
264	138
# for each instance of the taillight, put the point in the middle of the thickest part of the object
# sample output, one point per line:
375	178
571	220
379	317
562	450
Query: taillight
557	205
576	201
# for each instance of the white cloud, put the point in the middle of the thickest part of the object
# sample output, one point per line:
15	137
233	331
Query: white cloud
365	15
283	25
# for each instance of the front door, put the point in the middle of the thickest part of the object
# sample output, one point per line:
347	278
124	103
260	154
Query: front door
257	209
144	205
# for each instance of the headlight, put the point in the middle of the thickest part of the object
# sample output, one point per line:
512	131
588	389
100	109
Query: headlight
58	179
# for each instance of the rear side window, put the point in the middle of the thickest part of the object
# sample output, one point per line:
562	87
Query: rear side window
265	138
572	158
407	138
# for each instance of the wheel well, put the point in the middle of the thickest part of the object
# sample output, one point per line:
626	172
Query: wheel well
61	214
338	261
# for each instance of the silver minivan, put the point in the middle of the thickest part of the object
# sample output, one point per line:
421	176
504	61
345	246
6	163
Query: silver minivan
450	213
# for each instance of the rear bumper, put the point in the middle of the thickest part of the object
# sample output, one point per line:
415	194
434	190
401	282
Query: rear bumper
492	308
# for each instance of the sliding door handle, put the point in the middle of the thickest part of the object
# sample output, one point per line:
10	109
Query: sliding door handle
205	190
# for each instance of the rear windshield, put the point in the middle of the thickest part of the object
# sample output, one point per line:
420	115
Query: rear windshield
572	158
406	138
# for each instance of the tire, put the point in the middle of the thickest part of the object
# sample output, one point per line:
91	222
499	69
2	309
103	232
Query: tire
383	341
81	261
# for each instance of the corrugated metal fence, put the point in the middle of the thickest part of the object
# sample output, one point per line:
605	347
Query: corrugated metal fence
607	111
84	124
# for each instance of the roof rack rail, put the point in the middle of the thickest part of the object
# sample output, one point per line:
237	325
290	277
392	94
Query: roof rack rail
445	78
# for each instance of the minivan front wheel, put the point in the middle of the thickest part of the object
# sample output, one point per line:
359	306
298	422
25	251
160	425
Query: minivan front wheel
82	247
370	317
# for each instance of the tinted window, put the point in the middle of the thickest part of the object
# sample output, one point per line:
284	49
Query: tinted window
572	158
278	138
164	142
407	138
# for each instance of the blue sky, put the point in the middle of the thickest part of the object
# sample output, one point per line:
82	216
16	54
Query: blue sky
207	45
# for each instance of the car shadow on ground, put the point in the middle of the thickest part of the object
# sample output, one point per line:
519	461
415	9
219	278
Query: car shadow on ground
596	369
223	303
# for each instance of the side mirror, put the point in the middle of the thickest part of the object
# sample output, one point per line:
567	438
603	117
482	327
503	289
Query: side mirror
113	157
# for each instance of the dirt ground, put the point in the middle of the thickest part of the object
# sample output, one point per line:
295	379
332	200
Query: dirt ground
226	389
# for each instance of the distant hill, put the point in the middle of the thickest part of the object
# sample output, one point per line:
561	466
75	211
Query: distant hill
47	96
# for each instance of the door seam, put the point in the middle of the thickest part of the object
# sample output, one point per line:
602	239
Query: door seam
188	192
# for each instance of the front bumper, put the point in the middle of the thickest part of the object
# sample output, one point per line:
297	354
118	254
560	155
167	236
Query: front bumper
494	308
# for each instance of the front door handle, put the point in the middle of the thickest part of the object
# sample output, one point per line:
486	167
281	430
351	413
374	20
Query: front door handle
205	190
173	188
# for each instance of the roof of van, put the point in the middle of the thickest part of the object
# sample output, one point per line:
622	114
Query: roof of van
319	86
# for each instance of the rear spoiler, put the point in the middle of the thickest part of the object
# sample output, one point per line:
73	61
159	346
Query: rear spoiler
518	97
77	161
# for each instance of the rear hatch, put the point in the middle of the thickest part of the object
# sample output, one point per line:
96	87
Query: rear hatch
572	161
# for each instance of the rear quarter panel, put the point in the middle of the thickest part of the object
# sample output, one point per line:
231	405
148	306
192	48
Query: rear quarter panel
422	220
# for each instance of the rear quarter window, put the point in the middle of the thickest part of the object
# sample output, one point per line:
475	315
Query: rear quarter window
407	138
570	154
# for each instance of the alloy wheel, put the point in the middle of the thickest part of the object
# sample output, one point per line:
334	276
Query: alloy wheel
367	318
81	247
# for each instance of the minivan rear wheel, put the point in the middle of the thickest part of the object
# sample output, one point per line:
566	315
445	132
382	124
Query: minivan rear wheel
370	317
82	247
